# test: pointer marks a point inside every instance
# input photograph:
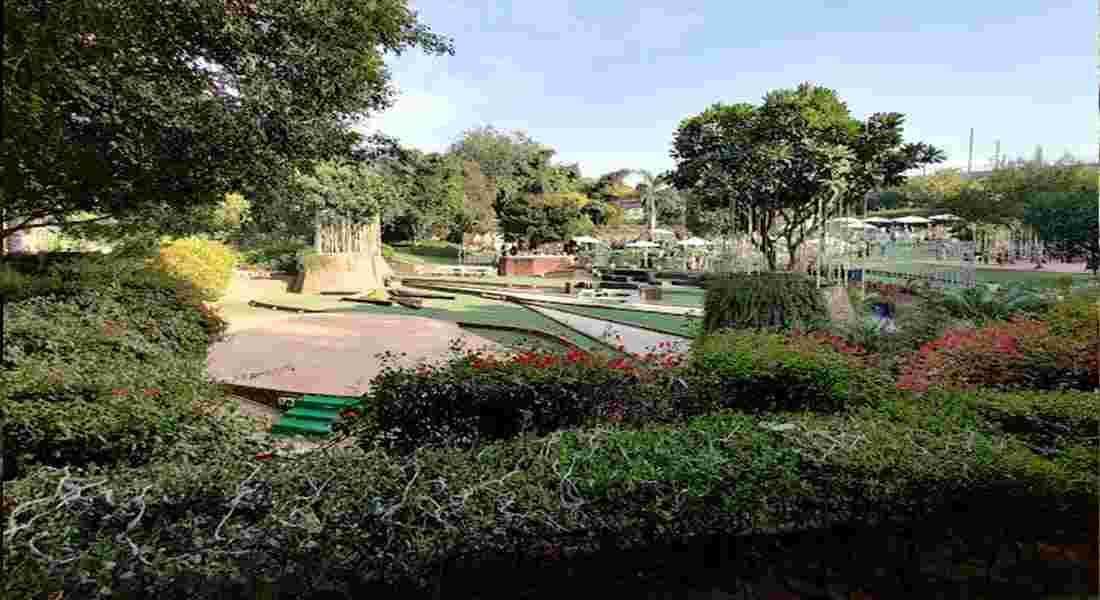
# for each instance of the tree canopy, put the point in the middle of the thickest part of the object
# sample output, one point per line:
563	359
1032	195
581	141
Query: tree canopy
770	165
135	111
1068	223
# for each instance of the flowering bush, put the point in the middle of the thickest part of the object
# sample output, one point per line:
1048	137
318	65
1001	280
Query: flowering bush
1020	354
477	396
773	371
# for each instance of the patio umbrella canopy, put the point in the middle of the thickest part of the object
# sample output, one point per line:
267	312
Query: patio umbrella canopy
845	220
944	218
912	220
876	220
642	244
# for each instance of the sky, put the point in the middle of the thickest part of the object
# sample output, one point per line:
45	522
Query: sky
605	82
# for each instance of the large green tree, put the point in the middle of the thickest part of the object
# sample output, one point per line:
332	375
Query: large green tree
1002	196
140	111
1068	223
771	165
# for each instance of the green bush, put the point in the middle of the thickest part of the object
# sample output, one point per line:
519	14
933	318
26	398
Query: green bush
1076	315
475	398
105	364
981	303
207	264
387	251
764	371
762	301
274	255
347	520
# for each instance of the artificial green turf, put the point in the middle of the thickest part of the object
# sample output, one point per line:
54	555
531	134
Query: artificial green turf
476	310
673	324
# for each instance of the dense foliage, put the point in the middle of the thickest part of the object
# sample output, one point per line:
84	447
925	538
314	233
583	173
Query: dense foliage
760	371
351	521
762	300
141	112
206	264
103	362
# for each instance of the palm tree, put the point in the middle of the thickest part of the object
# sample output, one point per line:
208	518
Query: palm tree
655	192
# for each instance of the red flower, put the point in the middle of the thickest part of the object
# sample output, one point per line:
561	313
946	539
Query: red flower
120	392
265	455
574	355
151	392
349	413
618	363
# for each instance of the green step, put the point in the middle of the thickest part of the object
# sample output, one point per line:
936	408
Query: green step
293	426
313	414
323	402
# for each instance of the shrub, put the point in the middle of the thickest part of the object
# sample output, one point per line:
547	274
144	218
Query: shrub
1076	315
475	398
207	264
350	520
387	251
764	371
762	300
105	365
1021	354
982	304
275	255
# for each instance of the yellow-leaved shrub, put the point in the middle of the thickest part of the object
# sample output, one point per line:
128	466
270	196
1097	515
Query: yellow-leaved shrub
207	264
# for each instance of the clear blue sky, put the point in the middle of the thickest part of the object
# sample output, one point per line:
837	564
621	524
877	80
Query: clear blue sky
605	82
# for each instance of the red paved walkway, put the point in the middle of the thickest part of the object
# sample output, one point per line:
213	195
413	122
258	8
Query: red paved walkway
328	353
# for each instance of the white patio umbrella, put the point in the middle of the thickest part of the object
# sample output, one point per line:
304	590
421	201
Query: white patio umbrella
642	244
876	220
912	220
694	241
844	220
944	218
860	226
584	239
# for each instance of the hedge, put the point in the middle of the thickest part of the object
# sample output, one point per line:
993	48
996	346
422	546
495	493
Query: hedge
762	301
765	371
349	520
107	365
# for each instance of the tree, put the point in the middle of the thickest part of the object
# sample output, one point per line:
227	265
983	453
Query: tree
1068	222
506	159
139	111
771	166
1002	196
542	217
659	199
431	195
477	215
